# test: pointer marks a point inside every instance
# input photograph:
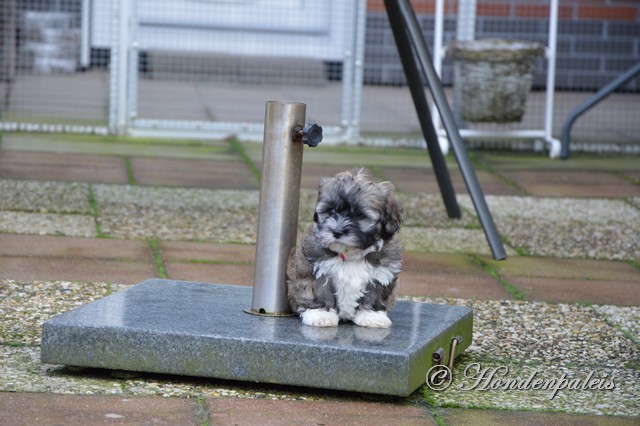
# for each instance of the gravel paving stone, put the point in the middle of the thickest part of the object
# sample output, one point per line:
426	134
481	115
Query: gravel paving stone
47	224
428	210
453	240
26	305
614	241
549	338
545	333
178	214
44	197
22	371
470	392
567	227
626	318
554	210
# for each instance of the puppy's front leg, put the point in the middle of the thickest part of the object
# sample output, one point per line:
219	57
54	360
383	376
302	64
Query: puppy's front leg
315	302
320	317
372	319
372	307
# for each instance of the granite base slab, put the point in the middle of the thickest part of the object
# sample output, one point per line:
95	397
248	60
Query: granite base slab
200	329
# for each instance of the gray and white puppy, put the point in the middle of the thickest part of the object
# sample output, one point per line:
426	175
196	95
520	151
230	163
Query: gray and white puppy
348	261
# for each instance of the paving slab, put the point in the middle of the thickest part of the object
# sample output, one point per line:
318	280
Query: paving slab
121	147
50	409
552	183
550	267
267	412
624	293
529	161
75	247
31	257
447	275
423	179
313	173
52	268
193	173
180	251
572	280
451	285
211	272
137	330
62	167
461	417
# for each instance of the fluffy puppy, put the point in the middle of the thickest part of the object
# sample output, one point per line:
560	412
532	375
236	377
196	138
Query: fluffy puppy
348	261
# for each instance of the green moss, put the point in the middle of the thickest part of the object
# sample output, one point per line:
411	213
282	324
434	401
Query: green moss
240	151
95	212
433	406
495	275
162	272
131	179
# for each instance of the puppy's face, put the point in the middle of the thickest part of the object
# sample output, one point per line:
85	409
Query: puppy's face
355	212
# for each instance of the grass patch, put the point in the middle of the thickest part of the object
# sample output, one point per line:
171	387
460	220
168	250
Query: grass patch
433	405
131	179
495	275
95	212
202	412
162	272
634	263
482	165
237	147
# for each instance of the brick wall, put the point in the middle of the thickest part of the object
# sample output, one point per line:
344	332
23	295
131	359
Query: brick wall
597	39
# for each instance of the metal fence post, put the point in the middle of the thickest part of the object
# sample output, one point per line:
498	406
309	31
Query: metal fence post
119	66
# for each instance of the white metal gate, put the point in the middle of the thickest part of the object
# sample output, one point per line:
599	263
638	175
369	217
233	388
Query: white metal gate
175	65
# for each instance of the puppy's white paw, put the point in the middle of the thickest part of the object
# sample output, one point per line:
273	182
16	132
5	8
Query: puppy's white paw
373	319
320	317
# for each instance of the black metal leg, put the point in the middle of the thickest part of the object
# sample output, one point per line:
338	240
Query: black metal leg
402	16
414	80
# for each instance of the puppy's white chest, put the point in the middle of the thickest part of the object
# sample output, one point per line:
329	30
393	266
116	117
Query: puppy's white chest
350	279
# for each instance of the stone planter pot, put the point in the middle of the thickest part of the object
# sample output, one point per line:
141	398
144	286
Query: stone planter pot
495	77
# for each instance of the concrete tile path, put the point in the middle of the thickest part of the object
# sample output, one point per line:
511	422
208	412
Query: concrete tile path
469	276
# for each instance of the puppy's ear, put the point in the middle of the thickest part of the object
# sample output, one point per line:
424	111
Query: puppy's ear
392	212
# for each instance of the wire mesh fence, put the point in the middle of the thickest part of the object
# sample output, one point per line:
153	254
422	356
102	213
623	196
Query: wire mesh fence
41	85
596	41
211	66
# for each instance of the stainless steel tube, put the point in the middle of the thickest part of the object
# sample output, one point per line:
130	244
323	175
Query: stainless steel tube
279	204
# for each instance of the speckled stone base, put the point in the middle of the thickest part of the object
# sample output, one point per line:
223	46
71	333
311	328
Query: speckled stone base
199	329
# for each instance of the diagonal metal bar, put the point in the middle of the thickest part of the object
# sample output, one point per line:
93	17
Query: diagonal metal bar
590	103
416	86
402	15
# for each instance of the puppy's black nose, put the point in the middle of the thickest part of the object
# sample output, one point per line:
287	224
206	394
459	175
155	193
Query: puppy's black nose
337	234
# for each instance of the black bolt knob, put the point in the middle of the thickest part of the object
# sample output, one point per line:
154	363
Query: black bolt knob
312	134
